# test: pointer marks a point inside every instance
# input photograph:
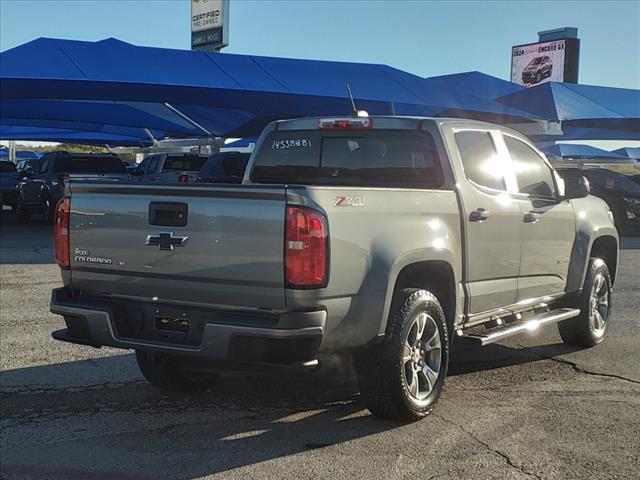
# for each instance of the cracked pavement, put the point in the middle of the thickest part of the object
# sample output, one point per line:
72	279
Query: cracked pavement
528	408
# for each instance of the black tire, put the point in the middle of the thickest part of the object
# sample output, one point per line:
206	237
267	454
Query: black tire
538	77
590	328
22	215
163	371
48	211
383	370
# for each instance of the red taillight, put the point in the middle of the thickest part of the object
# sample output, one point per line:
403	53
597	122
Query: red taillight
305	249
183	179
357	123
61	233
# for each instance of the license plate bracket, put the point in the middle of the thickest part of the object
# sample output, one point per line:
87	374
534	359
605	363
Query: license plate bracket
172	324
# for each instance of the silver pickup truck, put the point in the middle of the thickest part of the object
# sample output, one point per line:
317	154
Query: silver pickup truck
390	238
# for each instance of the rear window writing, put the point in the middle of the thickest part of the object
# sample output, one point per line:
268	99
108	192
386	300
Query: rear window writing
378	158
93	164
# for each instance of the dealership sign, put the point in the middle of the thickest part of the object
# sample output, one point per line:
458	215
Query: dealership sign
554	61
209	24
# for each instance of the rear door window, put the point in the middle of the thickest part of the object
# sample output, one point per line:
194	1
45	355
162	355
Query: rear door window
480	159
376	158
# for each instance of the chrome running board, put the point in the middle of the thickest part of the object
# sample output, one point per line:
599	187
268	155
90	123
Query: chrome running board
516	327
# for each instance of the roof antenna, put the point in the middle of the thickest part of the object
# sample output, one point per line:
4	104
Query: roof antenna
354	110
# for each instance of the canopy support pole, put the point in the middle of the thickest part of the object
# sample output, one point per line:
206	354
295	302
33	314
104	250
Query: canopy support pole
188	119
150	135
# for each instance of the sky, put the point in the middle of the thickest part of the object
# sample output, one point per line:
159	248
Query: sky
424	38
421	37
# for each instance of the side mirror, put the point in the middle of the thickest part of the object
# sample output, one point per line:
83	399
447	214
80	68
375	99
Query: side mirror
577	187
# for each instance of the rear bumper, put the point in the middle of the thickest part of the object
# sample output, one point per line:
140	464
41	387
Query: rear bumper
290	340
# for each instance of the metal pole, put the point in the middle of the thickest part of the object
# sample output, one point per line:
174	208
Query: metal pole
185	117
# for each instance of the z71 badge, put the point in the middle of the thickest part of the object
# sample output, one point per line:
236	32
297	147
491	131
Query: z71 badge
348	201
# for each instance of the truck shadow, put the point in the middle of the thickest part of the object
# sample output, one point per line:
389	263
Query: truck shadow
98	419
468	358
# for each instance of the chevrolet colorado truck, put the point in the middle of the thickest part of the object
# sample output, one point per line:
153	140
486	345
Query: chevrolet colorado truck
390	238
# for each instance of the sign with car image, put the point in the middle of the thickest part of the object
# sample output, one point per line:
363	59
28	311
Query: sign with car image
538	63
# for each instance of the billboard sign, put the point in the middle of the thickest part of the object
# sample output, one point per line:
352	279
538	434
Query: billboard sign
209	24
553	61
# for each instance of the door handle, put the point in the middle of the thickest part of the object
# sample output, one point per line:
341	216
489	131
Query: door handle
531	217
478	215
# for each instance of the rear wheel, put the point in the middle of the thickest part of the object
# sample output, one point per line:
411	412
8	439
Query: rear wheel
590	327
402	378
163	371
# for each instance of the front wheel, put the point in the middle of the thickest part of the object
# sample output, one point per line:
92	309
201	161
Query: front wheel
590	327
402	378
163	371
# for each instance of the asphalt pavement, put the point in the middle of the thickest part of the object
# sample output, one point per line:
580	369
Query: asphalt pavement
531	408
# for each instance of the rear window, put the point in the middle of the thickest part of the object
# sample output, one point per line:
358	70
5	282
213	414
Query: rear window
89	165
7	167
225	167
377	158
186	163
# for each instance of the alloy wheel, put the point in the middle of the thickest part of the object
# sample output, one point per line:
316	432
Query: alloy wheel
422	357
599	305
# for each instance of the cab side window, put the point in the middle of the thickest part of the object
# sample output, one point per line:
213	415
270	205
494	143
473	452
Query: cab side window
153	164
44	166
480	159
534	176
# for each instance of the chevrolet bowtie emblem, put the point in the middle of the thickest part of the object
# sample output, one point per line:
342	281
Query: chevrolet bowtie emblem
166	240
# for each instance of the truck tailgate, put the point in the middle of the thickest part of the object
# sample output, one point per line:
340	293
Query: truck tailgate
231	253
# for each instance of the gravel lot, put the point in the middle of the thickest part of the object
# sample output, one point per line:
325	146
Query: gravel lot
530	408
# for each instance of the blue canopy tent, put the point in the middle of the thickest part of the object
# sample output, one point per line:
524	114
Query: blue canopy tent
567	153
475	83
20	154
580	151
183	93
584	111
631	152
88	137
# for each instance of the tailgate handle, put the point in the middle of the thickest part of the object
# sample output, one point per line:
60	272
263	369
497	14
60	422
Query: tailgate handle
168	214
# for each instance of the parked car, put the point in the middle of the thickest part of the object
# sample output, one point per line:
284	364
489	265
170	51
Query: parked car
227	167
537	69
620	192
170	168
45	180
390	238
8	181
